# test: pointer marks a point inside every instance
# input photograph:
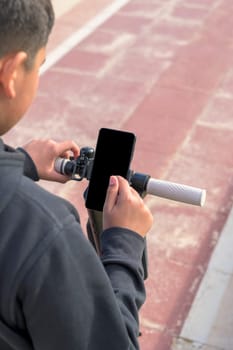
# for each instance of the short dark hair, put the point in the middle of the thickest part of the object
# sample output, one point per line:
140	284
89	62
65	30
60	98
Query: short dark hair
25	25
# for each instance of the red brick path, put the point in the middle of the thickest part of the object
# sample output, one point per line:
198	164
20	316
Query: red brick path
164	70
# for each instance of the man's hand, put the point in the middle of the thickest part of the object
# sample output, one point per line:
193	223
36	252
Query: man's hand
125	208
44	154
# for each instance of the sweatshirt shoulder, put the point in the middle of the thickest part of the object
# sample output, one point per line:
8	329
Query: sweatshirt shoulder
44	201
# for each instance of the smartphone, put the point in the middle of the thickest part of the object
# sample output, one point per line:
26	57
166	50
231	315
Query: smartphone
113	155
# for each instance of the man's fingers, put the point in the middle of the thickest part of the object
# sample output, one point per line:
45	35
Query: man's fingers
67	146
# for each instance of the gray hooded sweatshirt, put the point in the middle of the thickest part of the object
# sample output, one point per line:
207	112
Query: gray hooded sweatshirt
55	292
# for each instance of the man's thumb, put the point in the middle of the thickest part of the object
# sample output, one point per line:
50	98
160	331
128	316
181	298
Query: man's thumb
112	192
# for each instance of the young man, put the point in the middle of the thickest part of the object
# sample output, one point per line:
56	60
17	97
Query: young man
56	293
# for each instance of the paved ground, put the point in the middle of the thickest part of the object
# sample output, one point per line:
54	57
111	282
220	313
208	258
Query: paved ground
210	320
164	70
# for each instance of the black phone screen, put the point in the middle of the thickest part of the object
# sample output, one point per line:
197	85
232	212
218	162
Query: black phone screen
113	154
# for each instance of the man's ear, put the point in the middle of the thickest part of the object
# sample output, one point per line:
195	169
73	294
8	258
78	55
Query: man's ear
10	66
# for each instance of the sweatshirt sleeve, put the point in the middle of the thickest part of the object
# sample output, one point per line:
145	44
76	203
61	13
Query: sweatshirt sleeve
122	252
29	166
70	302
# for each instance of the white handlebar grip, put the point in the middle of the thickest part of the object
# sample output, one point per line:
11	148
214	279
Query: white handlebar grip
176	192
60	164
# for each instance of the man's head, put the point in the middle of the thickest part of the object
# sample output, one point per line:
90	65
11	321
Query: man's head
25	26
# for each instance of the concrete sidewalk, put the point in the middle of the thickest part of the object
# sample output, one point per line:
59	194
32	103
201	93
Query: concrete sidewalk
164	70
210	321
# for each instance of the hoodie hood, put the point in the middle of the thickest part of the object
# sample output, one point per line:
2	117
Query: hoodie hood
11	171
